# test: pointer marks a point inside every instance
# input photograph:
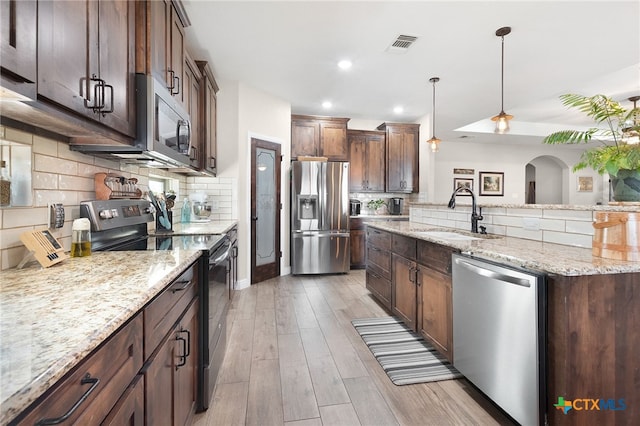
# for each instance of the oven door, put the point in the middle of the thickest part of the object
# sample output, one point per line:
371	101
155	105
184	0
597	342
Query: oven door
215	304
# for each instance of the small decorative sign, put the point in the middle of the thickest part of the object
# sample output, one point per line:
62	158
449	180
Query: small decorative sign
463	171
585	184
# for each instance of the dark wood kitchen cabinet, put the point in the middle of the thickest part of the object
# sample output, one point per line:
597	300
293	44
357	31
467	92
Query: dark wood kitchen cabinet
192	88
319	137
167	20
435	304
404	283
86	59
103	377
171	347
357	241
378	258
366	161
209	104
18	45
402	156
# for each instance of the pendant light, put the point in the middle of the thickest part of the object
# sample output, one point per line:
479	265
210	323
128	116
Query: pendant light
631	132
434	142
502	119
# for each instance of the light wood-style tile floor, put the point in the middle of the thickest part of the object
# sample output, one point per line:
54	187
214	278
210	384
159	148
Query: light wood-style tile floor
294	359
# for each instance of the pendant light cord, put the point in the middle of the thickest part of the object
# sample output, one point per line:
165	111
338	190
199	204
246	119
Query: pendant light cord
502	80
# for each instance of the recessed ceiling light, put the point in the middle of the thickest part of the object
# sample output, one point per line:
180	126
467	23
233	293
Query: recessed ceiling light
398	110
345	64
326	105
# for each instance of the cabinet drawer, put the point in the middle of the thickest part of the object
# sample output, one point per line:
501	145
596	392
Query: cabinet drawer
404	246
380	288
163	312
435	256
356	223
378	238
379	261
102	377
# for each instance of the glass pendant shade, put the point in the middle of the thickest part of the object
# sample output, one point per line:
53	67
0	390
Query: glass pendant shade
502	122
502	119
434	144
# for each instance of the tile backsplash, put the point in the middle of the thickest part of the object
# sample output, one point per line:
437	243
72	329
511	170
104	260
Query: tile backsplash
63	176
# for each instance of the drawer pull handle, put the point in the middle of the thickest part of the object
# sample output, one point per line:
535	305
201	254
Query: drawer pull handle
183	357
87	379
183	286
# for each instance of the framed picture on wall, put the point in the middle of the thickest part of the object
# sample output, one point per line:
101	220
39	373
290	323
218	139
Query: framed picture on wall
491	183
463	182
585	184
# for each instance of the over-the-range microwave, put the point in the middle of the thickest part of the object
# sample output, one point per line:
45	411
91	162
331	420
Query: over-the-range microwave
163	136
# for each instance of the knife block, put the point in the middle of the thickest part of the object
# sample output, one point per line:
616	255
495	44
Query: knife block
160	227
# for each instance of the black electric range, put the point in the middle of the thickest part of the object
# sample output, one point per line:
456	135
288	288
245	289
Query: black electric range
121	225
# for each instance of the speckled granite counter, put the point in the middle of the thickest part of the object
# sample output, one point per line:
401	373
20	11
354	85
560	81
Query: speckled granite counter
369	217
200	228
52	318
536	255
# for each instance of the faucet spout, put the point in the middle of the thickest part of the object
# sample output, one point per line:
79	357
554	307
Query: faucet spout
475	216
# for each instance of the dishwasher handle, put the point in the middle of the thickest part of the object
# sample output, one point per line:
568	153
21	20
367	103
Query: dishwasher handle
493	274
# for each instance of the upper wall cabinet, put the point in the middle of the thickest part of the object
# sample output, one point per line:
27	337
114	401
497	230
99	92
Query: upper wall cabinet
402	156
192	88
18	46
209	108
167	21
366	159
86	59
319	136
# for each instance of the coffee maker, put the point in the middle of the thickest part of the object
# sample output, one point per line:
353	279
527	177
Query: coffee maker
395	205
354	207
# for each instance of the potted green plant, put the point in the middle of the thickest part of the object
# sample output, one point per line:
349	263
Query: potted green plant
376	205
618	133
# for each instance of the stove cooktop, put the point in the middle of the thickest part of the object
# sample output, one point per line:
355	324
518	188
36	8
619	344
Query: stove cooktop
171	242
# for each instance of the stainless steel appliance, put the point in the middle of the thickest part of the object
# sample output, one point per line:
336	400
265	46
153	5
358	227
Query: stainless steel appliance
163	131
319	217
121	225
354	207
499	331
395	205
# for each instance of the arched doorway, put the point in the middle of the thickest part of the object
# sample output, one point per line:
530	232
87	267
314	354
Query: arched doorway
547	181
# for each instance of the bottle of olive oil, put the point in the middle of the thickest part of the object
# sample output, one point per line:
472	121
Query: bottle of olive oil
81	238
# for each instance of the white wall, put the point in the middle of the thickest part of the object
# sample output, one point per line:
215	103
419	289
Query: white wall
243	113
509	159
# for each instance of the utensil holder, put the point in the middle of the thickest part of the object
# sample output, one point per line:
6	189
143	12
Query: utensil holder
160	227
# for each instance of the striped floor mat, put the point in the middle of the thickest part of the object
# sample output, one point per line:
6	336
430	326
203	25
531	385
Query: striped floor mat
404	355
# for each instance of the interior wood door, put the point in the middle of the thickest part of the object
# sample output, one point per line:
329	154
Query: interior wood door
266	210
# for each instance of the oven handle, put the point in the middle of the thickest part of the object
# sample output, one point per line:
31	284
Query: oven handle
222	257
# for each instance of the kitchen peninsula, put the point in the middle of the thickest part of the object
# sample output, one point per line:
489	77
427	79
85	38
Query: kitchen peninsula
54	318
592	303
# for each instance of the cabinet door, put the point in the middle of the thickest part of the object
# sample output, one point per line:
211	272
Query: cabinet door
395	159
159	41
333	141
18	42
436	319
357	242
63	48
192	86
176	64
375	163
410	162
210	125
159	384
116	60
130	408
185	380
305	138
404	298
357	163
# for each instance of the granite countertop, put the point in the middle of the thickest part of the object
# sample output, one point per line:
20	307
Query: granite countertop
381	216
200	228
611	207
52	318
535	255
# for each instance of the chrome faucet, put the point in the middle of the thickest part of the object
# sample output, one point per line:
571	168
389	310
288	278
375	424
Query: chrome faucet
476	212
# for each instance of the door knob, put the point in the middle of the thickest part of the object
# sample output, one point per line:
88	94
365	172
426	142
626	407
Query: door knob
254	217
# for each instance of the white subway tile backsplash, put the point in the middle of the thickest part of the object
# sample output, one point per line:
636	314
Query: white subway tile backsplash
43	197
568	239
45	163
16	135
586	215
524	212
552	224
45	146
514	221
76	183
17	217
579	227
522	233
42	180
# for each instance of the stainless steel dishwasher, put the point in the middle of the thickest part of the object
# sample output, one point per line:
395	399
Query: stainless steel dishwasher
499	331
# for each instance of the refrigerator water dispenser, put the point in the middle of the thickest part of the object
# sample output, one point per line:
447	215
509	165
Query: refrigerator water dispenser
307	207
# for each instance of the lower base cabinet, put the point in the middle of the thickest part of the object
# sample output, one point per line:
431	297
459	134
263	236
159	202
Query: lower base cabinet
405	290
170	377
145	373
435	316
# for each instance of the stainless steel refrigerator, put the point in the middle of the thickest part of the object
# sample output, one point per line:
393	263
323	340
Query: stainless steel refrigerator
319	217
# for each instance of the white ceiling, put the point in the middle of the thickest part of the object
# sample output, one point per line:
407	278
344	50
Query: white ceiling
290	49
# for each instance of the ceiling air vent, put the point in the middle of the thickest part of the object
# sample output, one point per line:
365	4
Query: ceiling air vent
402	43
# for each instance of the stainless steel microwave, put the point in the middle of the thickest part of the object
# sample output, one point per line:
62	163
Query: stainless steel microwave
163	136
